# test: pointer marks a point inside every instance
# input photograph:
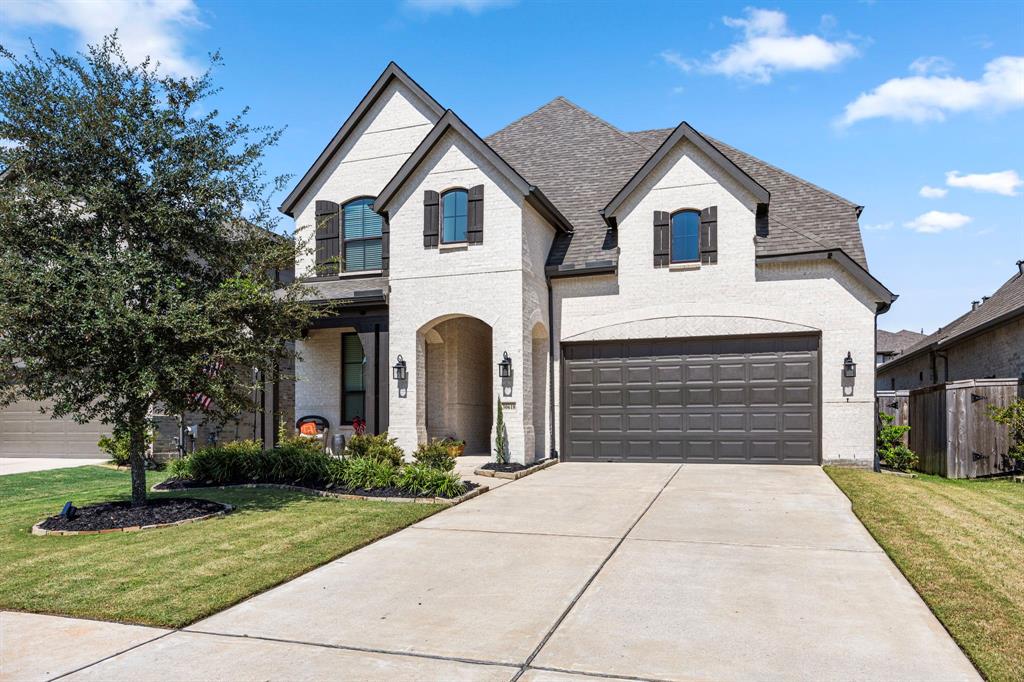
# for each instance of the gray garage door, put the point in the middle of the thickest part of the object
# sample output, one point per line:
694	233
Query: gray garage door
737	400
24	432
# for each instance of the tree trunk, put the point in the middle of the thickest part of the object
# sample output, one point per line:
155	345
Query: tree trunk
136	456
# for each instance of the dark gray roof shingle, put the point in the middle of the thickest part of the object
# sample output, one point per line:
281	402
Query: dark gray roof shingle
580	162
895	343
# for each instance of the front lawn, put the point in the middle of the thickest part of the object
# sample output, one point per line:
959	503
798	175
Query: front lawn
172	576
961	544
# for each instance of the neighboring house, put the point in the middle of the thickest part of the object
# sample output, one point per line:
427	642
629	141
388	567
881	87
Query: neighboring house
890	344
985	342
654	295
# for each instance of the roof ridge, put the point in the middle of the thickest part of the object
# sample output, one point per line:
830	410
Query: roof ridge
603	122
799	179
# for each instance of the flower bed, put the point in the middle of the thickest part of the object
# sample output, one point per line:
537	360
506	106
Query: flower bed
514	470
372	466
118	517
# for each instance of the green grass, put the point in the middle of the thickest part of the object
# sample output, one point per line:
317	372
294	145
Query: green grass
961	544
177	575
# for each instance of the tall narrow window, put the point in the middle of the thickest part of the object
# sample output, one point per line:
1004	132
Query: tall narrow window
686	237
362	236
353	390
454	215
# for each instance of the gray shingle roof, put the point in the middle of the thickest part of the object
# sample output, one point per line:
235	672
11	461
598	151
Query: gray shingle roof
896	342
1006	303
581	162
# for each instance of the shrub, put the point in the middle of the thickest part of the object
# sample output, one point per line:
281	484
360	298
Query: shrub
500	440
435	454
368	473
891	450
232	462
378	447
425	480
119	445
294	462
1011	416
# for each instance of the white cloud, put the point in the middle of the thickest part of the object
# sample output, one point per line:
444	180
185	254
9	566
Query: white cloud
877	227
923	66
934	222
768	47
153	28
931	98
471	6
929	192
1004	182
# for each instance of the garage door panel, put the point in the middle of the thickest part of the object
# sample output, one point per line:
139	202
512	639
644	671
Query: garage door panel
25	431
694	400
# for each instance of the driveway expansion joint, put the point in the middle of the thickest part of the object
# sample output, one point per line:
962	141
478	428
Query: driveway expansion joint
561	618
113	655
760	545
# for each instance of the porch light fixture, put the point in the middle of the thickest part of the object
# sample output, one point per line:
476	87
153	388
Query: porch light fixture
505	366
849	366
398	371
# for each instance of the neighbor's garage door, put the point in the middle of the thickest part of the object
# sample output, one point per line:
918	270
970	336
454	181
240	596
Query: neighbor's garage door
24	432
737	400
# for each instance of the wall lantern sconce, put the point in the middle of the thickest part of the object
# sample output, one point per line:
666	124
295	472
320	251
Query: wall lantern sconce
398	371
849	366
505	367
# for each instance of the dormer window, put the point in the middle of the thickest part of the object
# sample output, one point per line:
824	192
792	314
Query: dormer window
454	216
686	236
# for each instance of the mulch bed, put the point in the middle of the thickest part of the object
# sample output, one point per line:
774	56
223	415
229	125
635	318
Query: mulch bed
513	467
117	515
184	483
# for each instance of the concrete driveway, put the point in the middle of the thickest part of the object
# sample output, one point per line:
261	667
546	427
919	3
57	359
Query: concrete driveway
642	571
21	465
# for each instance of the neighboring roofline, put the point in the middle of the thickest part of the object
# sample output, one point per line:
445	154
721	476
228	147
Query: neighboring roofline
939	344
450	121
885	298
596	267
684	131
393	71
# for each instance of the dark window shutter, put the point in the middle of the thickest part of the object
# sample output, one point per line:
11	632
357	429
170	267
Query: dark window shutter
709	235
662	241
475	218
431	218
328	231
385	244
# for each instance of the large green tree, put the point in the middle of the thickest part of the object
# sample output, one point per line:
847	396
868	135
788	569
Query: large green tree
135	244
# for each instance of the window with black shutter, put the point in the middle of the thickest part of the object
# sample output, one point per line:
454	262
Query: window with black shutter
327	238
363	236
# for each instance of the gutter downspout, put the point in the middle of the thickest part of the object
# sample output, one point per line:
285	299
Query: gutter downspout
876	464
553	452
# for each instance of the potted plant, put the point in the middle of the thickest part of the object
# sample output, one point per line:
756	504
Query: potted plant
456	447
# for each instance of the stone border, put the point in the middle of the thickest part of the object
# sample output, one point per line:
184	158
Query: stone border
446	501
516	475
226	509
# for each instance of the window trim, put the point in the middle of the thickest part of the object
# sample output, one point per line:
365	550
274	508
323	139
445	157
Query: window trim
671	255
343	247
440	213
344	393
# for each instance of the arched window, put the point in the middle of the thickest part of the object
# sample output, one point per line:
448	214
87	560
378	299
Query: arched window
686	237
454	215
362	232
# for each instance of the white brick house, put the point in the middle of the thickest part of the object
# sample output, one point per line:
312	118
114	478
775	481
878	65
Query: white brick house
660	295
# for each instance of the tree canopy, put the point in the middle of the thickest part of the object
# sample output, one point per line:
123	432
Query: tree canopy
137	251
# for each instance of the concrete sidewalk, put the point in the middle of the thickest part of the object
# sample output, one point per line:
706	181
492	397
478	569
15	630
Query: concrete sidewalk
21	465
641	571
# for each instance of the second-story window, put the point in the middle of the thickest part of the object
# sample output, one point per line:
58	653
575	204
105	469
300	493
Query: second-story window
686	237
362	228
454	215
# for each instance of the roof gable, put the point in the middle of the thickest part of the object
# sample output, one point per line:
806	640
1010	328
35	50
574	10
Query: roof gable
391	73
684	132
451	122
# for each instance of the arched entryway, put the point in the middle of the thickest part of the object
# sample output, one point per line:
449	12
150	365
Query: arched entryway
456	394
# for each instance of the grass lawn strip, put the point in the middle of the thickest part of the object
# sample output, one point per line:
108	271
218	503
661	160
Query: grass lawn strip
961	545
173	576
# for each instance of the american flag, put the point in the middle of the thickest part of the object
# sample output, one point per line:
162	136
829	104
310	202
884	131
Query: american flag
204	401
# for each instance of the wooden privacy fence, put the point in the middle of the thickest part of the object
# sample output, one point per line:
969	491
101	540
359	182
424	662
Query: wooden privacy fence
897	405
950	429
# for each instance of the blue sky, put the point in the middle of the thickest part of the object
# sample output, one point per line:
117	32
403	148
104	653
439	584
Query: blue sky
915	110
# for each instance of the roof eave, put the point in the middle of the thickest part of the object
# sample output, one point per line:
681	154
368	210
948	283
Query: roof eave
392	71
